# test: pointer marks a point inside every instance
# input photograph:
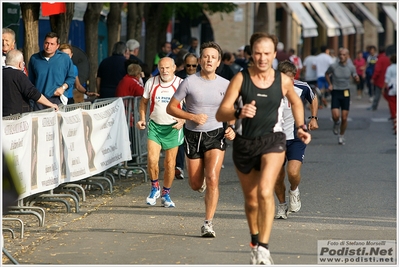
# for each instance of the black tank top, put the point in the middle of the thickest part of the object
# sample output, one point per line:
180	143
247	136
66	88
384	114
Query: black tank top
268	117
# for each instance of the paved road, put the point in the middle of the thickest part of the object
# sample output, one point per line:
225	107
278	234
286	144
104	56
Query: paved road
348	192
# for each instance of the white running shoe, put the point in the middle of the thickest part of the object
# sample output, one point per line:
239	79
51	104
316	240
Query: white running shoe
295	201
203	187
341	140
154	194
167	202
207	230
282	211
336	127
179	173
254	252
263	256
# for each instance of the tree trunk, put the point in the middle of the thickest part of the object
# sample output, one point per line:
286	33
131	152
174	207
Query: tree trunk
91	19
61	23
114	25
135	14
154	26
30	15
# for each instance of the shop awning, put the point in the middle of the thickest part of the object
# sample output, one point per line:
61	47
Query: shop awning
391	13
325	18
302	17
369	16
340	16
357	23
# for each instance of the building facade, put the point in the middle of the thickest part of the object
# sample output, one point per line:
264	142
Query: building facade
304	25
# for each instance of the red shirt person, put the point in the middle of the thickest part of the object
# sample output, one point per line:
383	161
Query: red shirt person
130	84
378	78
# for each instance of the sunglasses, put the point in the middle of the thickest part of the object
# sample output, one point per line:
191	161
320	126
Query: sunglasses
190	65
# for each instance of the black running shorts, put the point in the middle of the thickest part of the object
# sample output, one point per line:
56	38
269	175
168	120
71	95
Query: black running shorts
197	143
247	153
340	99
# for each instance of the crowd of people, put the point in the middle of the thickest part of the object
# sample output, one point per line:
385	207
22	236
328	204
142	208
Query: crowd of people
200	97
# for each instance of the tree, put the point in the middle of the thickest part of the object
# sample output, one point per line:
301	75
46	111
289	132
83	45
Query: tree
156	22
114	24
157	17
61	23
135	15
30	15
91	19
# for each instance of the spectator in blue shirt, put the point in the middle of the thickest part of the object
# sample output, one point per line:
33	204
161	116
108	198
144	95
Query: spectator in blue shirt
51	71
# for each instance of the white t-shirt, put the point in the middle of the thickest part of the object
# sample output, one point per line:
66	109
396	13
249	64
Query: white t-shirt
310	73
160	93
322	62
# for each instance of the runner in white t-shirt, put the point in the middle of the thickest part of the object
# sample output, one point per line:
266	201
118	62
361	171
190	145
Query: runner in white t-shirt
164	131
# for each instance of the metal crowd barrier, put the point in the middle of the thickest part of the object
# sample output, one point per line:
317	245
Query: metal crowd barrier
12	117
82	105
138	147
138	139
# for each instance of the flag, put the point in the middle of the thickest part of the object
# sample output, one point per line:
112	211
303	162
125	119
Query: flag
53	8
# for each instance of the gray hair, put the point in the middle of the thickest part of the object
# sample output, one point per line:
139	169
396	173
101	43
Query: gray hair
119	48
14	57
10	31
172	61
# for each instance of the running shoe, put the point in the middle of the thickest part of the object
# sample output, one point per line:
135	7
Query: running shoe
336	127
341	140
203	187
167	202
263	256
154	194
254	252
295	201
207	230
179	173
282	211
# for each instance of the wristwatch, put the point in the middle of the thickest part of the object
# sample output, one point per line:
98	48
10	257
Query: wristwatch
313	117
303	127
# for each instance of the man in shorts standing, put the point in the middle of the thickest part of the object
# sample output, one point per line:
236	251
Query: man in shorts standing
164	131
341	72
204	136
295	151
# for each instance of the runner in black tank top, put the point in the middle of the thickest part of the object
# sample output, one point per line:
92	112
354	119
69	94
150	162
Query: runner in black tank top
267	119
258	150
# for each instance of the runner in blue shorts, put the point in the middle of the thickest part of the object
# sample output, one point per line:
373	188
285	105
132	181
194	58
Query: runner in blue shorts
295	151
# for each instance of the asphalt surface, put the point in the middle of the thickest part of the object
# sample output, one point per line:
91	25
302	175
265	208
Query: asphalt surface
348	192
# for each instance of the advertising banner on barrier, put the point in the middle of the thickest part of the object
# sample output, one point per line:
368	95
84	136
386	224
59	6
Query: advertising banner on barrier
17	141
52	148
46	153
